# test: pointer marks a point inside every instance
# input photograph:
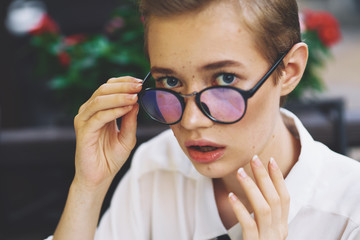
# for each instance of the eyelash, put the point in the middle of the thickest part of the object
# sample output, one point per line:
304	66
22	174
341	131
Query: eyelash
214	77
159	80
224	72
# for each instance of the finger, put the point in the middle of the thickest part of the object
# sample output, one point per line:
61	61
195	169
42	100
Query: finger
267	188
128	127
101	118
124	79
261	208
116	85
280	186
102	103
122	87
247	223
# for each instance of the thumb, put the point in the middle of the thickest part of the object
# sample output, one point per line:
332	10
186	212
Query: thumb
128	127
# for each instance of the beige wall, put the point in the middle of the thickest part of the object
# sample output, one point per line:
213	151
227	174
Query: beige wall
342	74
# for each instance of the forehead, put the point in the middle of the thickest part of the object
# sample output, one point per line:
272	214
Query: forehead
216	32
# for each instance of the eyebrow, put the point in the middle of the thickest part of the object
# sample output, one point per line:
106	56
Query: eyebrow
161	70
210	66
221	64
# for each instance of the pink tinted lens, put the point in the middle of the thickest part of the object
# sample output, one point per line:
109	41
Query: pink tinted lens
223	104
162	106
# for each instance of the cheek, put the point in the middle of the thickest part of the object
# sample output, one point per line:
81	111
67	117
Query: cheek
257	126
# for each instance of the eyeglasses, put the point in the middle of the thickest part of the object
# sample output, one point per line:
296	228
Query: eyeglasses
221	104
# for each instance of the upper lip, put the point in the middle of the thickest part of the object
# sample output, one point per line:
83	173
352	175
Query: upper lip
202	143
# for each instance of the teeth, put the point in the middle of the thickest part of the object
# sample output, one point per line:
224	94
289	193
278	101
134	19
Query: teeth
205	148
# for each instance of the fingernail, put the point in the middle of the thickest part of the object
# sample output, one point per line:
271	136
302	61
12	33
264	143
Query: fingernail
242	173
232	196
132	96
138	86
256	161
273	164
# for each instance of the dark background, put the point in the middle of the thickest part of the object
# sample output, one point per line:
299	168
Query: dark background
23	99
36	167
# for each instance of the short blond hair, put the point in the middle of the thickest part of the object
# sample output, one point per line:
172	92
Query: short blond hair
273	23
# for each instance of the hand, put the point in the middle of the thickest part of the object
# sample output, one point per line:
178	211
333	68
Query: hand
102	148
268	197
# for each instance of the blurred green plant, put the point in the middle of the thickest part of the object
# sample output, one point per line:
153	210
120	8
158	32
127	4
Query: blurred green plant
320	30
74	66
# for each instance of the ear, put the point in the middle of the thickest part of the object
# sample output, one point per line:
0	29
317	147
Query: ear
295	63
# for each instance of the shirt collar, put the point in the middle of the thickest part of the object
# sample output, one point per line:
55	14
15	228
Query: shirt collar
302	177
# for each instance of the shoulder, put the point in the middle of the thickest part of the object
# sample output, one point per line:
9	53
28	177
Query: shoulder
337	189
325	195
161	153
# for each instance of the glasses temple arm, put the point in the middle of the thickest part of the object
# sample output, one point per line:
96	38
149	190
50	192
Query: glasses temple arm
146	77
267	75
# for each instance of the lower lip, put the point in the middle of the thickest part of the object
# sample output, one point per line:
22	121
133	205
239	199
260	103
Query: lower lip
206	157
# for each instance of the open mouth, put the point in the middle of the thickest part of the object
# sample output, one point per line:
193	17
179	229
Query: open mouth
204	148
205	152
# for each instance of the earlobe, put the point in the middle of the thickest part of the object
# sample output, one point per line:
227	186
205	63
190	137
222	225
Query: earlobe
295	63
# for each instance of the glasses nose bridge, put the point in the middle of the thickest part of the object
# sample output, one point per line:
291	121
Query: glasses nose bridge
189	95
185	96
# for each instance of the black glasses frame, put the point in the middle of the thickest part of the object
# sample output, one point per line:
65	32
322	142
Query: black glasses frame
181	97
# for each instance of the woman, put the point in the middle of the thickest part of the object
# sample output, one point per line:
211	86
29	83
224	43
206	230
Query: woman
220	169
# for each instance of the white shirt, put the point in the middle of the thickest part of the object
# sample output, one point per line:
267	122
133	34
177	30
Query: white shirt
164	197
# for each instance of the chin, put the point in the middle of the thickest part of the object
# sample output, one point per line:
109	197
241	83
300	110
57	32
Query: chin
212	170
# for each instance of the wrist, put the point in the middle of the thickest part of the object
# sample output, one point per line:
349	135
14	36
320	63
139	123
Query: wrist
92	191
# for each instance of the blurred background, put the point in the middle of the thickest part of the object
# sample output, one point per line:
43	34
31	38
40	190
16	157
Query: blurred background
54	54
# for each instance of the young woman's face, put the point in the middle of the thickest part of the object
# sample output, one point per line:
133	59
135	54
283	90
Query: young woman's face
193	51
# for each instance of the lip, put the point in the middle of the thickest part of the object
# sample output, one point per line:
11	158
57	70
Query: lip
204	157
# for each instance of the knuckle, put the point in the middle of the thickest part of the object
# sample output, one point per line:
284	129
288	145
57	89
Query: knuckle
274	200
76	120
98	116
113	79
251	225
80	109
96	101
265	211
286	198
78	123
102	89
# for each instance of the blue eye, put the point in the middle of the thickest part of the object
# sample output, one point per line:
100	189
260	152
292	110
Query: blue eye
168	82
226	79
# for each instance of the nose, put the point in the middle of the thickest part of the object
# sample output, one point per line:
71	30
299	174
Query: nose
192	117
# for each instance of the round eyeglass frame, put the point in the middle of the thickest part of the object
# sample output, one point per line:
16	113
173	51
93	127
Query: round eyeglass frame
246	94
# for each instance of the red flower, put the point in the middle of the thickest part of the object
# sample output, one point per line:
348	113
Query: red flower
325	24
45	25
74	39
64	58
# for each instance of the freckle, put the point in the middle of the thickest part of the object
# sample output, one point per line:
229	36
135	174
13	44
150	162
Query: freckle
253	147
193	76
